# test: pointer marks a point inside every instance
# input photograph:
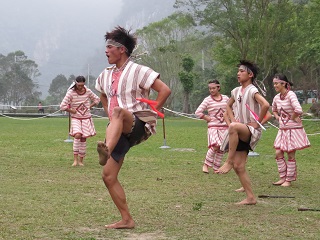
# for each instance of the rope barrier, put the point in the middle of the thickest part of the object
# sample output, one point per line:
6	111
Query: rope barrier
184	115
35	118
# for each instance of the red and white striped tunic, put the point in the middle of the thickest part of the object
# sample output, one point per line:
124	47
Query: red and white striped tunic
243	97
217	126
135	82
291	135
81	121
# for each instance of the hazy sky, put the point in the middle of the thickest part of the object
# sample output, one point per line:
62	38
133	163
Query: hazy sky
67	36
29	25
59	35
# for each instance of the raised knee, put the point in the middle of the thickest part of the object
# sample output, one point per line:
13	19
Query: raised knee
117	112
233	127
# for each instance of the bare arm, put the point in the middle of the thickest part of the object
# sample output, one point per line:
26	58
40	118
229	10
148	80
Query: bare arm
104	101
229	116
163	92
264	107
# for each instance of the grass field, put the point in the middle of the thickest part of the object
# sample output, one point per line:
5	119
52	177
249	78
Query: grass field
43	197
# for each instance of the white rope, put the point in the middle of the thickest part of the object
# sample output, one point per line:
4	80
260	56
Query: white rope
181	114
35	118
184	115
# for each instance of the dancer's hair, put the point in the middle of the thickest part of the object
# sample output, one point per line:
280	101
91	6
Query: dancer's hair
284	78
216	82
251	66
123	36
79	79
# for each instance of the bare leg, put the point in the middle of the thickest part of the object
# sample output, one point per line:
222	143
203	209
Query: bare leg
240	169
110	178
236	131
81	161
75	160
121	122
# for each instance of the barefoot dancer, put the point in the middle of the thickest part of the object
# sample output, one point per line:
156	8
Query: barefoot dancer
215	106
131	121
291	135
78	101
244	135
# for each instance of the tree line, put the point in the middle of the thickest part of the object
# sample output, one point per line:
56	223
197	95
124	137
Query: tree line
204	40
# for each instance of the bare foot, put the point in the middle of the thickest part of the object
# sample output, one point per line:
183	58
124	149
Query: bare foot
280	182
103	153
205	168
74	164
286	184
81	164
122	224
239	189
251	201
226	167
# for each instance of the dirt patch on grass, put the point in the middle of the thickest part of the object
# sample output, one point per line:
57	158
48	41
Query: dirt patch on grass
146	236
183	149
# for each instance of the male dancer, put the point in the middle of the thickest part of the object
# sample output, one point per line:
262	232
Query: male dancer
131	122
244	135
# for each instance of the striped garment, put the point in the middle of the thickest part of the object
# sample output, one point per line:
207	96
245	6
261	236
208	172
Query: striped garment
243	97
81	121
217	126
291	135
135	82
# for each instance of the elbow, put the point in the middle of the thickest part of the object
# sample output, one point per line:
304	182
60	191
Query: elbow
168	91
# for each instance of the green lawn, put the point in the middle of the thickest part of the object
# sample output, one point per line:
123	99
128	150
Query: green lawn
43	197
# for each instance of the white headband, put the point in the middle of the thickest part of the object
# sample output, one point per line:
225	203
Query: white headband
116	44
246	69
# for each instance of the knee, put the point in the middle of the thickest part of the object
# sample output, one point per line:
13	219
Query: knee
233	127
279	154
108	179
77	136
117	112
238	168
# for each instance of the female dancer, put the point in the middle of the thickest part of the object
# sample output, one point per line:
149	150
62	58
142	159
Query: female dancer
291	135
215	105
78	101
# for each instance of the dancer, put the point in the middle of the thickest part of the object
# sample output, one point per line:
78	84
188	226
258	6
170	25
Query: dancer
78	102
215	106
131	122
244	135
291	135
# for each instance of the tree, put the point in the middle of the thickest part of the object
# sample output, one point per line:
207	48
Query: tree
261	31
58	88
186	78
165	42
17	74
308	49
